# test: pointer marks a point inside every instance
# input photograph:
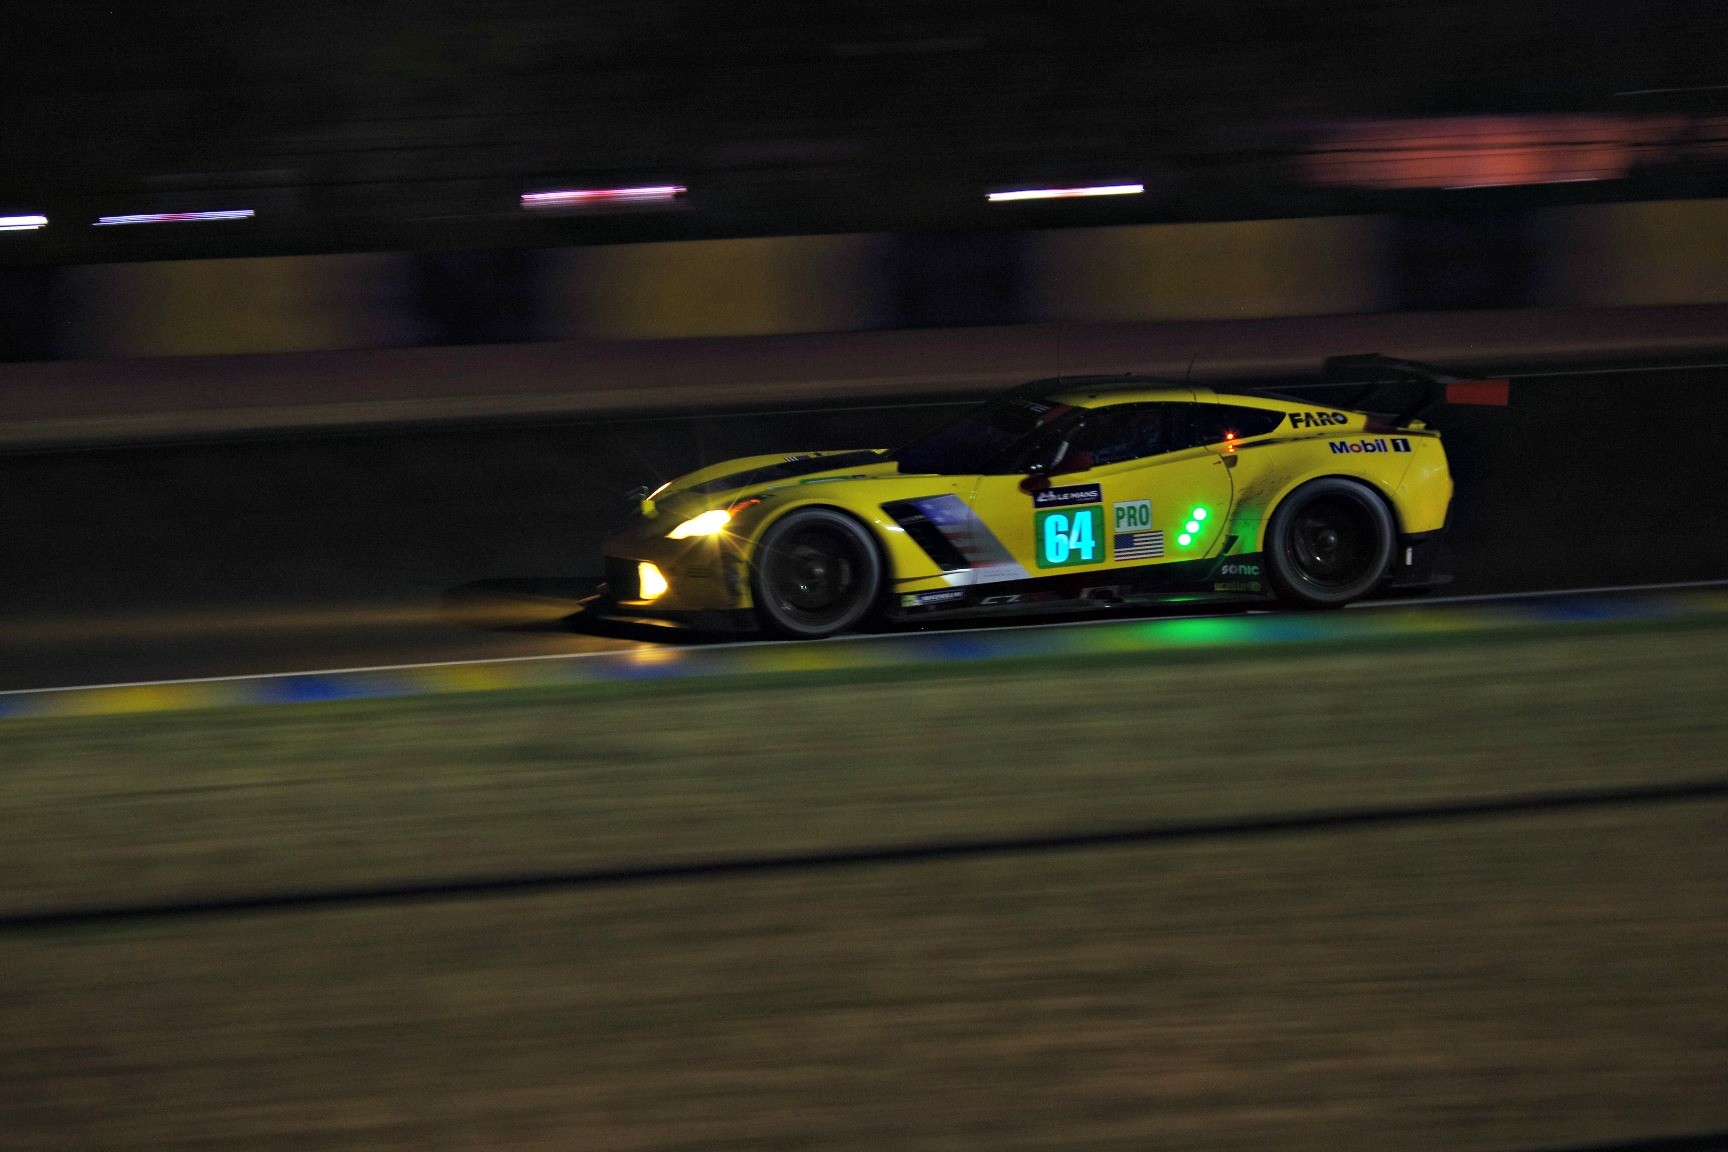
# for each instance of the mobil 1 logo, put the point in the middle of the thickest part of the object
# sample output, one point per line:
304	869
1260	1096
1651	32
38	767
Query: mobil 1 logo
1378	444
1068	526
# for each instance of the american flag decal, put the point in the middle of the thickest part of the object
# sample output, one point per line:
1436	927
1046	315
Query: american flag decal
1138	545
986	556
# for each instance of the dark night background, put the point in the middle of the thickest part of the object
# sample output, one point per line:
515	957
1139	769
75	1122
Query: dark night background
360	126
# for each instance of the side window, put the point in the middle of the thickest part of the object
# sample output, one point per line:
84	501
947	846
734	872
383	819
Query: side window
1049	448
1113	435
1216	423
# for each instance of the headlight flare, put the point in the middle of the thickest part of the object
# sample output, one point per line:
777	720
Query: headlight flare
706	524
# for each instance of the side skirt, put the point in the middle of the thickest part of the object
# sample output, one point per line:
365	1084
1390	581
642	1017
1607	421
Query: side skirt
1220	579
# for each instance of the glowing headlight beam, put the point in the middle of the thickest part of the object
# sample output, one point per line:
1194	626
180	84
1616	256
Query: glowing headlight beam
706	524
176	217
582	197
1066	193
22	223
650	583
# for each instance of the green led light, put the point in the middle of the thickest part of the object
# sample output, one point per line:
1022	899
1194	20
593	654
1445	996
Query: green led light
1190	527
1184	539
1199	513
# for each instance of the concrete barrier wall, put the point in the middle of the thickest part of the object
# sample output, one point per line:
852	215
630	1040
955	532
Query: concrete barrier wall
1673	252
749	287
214	307
1238	270
1663	252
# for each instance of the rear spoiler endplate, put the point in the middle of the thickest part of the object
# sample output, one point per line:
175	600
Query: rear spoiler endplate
1369	374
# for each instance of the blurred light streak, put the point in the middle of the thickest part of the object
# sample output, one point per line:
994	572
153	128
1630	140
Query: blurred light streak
582	197
1066	193
1666	91
22	223
1500	151
1474	152
177	217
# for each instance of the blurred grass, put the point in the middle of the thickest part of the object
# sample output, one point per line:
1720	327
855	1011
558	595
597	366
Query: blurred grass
1530	982
182	805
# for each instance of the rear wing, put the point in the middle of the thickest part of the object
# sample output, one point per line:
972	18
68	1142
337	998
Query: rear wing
1400	390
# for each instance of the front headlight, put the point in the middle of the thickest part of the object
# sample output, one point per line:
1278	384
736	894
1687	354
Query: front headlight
650	583
706	524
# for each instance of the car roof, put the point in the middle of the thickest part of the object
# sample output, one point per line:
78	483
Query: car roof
1102	391
1133	388
1108	391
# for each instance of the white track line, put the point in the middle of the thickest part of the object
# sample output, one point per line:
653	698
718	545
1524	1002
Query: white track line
864	639
1484	596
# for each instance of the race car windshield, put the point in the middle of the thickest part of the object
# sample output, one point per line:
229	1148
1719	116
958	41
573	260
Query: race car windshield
988	439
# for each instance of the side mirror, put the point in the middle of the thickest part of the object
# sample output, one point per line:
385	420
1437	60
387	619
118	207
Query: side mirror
1036	479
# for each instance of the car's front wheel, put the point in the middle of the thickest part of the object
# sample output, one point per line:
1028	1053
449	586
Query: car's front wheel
1329	542
816	572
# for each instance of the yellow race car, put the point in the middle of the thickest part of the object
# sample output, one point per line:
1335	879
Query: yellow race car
1072	493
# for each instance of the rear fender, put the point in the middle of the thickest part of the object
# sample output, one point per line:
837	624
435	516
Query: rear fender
1254	535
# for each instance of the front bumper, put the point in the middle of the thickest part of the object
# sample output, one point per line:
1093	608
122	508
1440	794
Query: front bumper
704	574
730	621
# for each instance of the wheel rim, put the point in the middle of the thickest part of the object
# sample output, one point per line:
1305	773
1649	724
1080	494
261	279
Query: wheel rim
816	576
1333	543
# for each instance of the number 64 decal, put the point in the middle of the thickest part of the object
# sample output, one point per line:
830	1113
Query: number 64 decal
1069	537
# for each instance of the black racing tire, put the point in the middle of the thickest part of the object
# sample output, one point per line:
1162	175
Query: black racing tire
815	572
1330	542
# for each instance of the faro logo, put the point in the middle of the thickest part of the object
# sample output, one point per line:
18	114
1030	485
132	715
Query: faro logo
1317	419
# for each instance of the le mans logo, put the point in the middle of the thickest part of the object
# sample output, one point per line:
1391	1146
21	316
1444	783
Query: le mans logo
1071	494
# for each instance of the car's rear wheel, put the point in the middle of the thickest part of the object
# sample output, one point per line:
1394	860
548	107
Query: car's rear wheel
816	572
1329	542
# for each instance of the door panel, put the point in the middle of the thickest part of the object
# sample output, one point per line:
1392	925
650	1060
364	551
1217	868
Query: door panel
1119	515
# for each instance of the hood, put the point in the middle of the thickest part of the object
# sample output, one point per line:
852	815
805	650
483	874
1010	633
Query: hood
748	474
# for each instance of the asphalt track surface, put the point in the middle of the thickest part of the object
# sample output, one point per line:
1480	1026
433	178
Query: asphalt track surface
246	556
1098	637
